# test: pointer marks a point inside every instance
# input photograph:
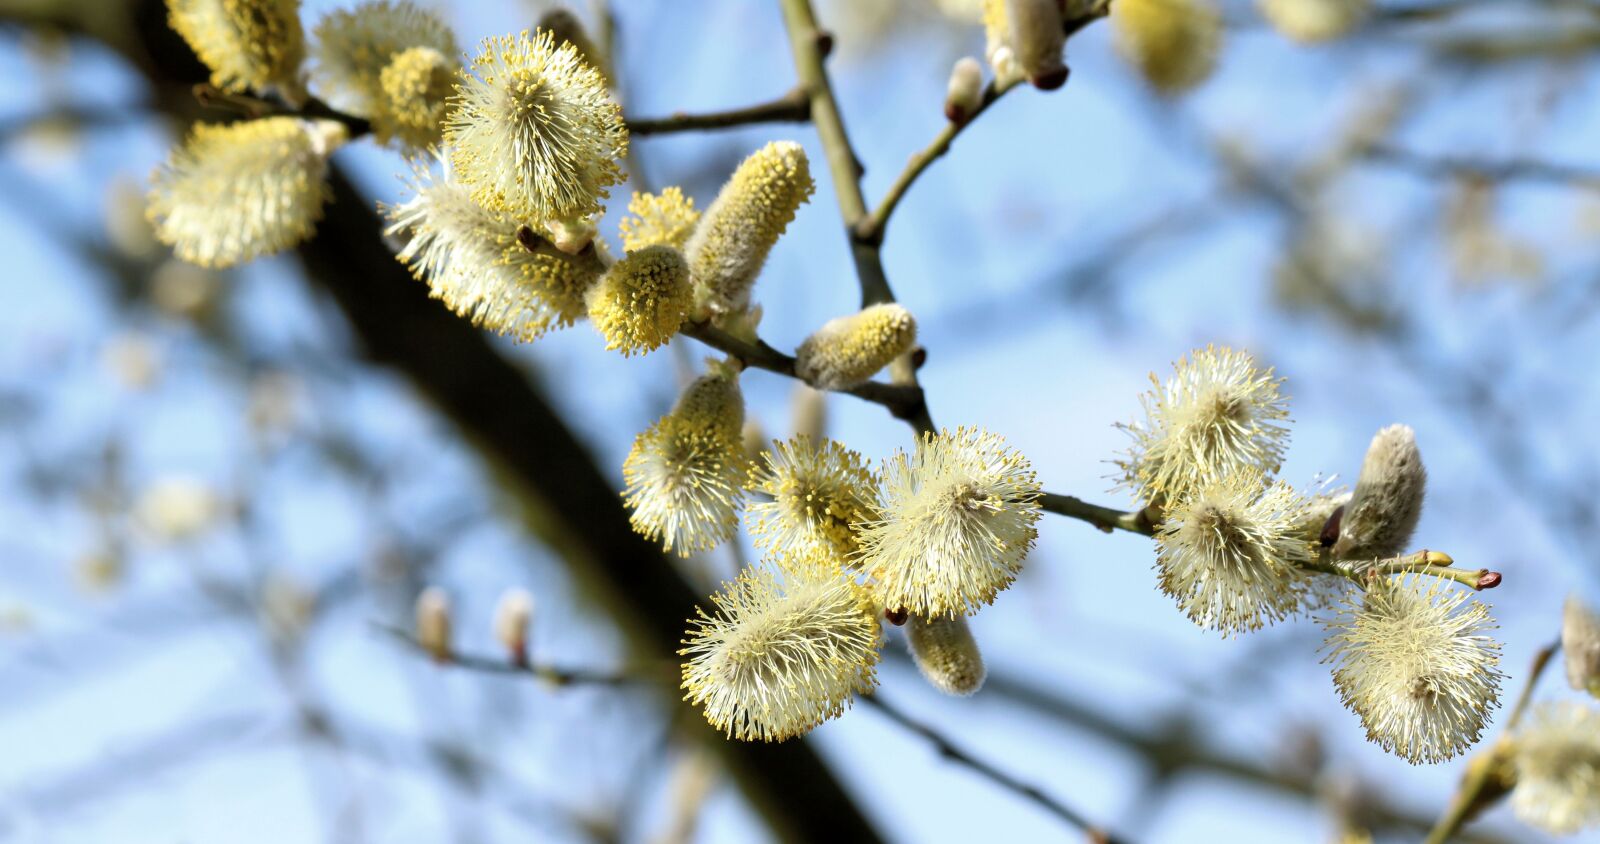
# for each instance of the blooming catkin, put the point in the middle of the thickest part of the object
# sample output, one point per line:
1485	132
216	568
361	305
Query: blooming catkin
958	518
946	654
246	43
752	210
534	132
665	219
685	474
1309	21
641	301
846	351
781	654
433	622
416	86
236	191
1228	553
1172	43
470	257
1556	757
353	47
1415	661
1387	502
819	493
512	615
1580	642
1216	416
964	94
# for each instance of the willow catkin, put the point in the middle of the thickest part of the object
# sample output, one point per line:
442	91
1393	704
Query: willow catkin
1387	502
946	654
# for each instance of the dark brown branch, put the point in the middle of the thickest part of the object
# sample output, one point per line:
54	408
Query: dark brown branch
1505	170
793	107
665	671
995	775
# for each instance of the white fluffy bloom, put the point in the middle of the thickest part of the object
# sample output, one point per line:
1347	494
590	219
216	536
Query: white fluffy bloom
246	43
1415	661
1556	756
818	494
1216	416
781	655
235	191
1228	553
470	258
534	132
958	518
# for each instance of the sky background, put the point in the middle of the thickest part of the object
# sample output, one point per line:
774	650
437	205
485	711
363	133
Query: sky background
155	713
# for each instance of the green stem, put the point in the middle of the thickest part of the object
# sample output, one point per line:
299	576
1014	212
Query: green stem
1106	519
793	107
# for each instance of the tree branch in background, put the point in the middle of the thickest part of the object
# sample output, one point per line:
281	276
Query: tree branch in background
793	107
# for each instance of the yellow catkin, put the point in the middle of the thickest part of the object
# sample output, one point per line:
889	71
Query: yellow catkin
642	300
847	351
416	86
236	191
1172	43
731	243
946	654
246	43
1310	21
353	47
665	219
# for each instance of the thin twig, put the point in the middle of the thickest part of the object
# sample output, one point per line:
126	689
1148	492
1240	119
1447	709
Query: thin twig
253	107
1481	784
993	774
793	107
547	673
1106	519
1510	169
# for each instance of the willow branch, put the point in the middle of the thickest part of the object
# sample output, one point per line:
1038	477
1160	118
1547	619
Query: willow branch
1482	783
539	671
1107	519
995	775
210	96
793	107
810	45
1511	169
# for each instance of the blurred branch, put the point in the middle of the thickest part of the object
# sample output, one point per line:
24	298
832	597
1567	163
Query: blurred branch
1460	167
793	107
664	672
998	777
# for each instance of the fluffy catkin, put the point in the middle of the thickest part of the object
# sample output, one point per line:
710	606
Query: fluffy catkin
946	654
1172	43
1580	642
1387	502
1556	757
416	86
236	191
846	351
641	301
664	219
246	43
1309	21
731	243
352	48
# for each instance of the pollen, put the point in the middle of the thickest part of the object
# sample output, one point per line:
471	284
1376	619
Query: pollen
845	352
730	245
665	219
246	43
640	303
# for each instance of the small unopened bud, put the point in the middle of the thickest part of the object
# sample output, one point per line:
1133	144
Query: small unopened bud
1383	511
1437	558
1038	37
571	236
735	234
847	351
897	617
1487	579
433	622
511	619
642	300
946	654
1580	641
965	92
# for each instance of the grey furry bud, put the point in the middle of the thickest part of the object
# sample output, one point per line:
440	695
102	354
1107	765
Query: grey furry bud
946	654
1580	641
1383	511
1038	38
965	92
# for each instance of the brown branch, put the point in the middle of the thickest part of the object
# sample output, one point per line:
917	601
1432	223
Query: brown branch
1106	519
1462	167
793	107
664	672
995	775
